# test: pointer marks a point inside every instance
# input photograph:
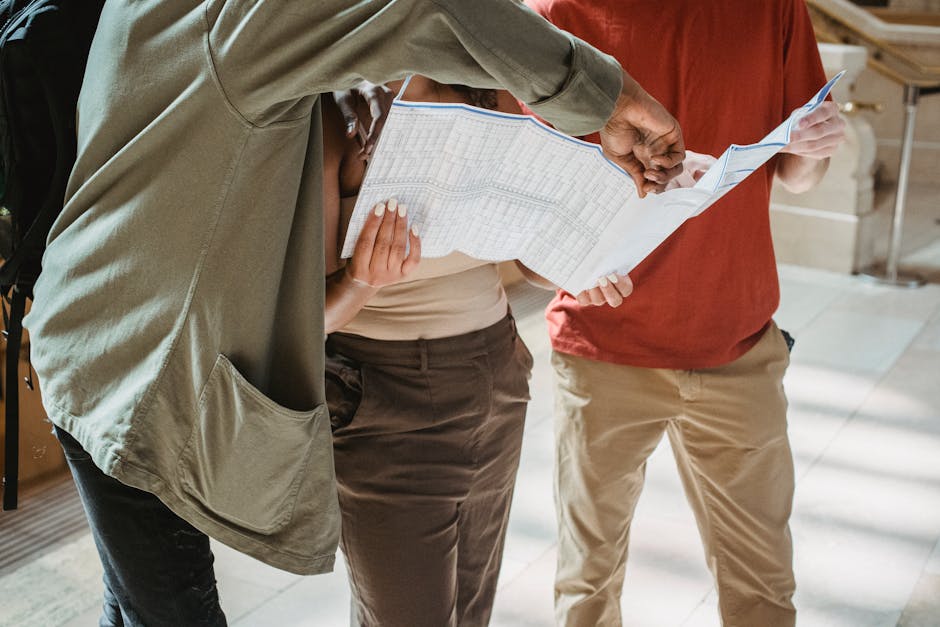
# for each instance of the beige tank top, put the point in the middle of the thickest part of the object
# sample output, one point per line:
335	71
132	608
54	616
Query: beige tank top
447	296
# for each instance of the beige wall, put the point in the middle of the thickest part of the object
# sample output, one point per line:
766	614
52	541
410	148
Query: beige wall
888	126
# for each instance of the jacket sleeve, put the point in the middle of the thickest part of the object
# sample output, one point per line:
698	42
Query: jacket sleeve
270	56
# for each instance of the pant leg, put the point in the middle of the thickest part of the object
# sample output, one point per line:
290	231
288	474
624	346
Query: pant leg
484	516
737	468
402	563
402	469
609	419
157	567
426	438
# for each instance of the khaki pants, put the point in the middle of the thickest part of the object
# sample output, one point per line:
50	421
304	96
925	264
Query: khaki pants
426	469
728	429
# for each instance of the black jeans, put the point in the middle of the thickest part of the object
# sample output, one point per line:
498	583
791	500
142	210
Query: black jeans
157	567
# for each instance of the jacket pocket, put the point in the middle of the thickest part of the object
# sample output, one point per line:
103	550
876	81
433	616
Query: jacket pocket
247	455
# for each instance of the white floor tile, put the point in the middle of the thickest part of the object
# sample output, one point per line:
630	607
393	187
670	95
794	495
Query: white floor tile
915	304
927	258
813	276
240	597
533	332
666	574
509	571
229	561
667	578
826	389
801	302
319	601
55	589
527	600
821	612
531	529
663	496
855	342
705	614
929	338
861	540
88	618
933	563
811	432
924	607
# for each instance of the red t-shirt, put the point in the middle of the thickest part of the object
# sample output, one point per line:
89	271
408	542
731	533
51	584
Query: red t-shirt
730	71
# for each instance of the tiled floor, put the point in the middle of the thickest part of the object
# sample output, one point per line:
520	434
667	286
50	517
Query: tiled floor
920	230
864	388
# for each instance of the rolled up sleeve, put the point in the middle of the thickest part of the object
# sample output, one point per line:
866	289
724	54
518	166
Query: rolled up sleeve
593	84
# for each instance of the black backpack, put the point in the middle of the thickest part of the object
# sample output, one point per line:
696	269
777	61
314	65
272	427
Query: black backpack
43	49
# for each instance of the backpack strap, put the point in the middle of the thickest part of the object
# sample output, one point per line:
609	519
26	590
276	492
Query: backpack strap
11	458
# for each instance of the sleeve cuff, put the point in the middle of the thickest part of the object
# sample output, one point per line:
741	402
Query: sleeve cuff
586	100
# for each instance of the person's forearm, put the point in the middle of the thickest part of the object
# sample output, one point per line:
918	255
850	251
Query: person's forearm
799	173
345	297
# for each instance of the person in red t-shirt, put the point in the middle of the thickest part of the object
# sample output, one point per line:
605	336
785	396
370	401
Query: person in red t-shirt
693	352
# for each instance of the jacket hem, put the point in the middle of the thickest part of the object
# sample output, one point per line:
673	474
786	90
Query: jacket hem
109	460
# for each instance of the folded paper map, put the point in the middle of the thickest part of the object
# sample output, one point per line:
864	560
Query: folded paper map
497	186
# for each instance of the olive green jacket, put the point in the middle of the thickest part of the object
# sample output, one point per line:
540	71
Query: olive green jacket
177	328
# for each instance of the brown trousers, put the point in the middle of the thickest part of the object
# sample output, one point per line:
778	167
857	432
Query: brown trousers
728	430
426	469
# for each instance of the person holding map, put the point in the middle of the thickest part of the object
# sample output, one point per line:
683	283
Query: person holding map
177	324
434	389
693	352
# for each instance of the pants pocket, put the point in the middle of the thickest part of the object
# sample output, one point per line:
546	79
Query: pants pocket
525	355
343	379
247	455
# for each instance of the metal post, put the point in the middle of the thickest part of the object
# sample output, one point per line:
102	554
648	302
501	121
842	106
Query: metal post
890	275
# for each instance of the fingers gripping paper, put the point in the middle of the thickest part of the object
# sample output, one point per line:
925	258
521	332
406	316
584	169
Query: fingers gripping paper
497	186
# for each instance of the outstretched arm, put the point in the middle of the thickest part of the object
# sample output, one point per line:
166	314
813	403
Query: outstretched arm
268	59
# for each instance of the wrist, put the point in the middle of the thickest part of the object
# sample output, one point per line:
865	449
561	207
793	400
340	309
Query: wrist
350	283
633	99
799	173
630	90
